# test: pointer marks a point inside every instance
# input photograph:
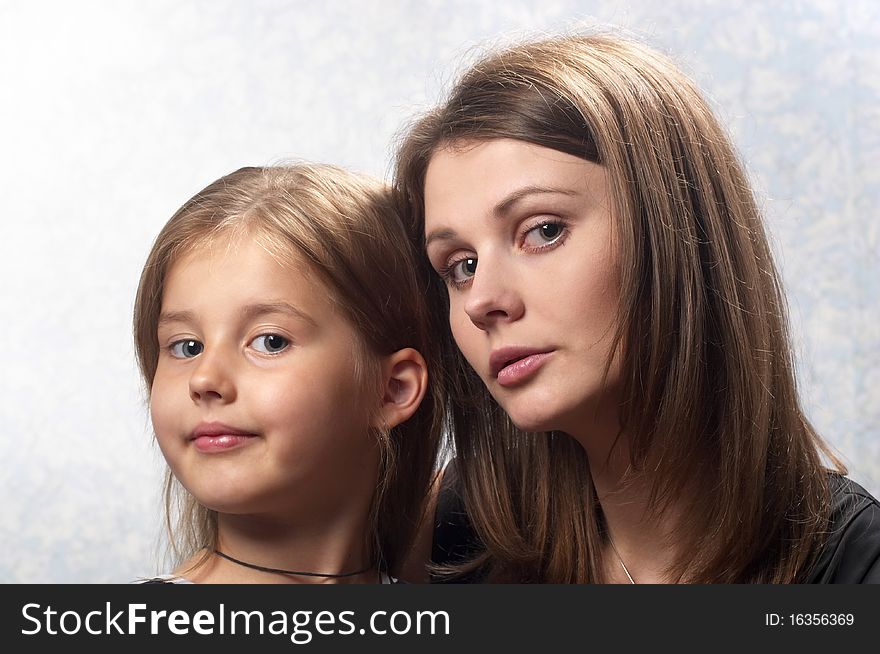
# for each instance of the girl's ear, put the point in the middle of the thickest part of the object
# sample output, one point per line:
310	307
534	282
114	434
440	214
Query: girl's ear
405	381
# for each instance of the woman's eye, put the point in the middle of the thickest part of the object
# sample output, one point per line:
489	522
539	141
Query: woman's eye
462	270
543	234
269	343
186	349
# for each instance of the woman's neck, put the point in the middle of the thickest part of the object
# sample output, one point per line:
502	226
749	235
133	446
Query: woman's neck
640	543
336	547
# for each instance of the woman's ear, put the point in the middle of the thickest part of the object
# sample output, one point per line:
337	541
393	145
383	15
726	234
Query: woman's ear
405	381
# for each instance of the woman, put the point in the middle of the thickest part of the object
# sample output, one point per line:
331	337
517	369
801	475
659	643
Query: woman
623	399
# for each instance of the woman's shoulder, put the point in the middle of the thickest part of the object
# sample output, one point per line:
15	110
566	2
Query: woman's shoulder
851	554
455	539
453	532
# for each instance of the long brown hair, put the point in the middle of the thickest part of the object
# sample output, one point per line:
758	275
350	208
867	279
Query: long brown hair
709	397
347	230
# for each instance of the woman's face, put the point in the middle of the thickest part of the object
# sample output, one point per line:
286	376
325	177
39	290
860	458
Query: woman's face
523	236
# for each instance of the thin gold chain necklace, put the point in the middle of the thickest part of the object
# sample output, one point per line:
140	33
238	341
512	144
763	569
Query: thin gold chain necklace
620	559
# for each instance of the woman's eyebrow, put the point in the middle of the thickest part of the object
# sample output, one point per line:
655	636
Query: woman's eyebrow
505	206
440	235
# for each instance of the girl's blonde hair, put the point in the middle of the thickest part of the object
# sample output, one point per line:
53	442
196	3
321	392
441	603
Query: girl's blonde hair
346	230
709	403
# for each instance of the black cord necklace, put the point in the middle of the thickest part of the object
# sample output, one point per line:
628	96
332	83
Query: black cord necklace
293	573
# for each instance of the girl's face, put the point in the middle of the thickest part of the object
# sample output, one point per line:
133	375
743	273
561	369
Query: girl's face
523	235
254	403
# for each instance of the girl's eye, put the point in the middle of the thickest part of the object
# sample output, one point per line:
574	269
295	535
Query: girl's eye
269	343
186	349
543	235
459	272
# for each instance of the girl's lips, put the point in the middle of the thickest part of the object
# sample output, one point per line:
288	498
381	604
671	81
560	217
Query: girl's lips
217	437
210	443
522	369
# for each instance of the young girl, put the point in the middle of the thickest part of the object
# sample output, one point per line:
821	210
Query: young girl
281	331
626	408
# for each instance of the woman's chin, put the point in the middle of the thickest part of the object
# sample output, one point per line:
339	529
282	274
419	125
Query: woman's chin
527	419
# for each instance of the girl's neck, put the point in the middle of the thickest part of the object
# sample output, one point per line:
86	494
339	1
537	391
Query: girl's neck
335	548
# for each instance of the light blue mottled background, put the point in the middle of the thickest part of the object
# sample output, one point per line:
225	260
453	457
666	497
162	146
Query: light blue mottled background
113	113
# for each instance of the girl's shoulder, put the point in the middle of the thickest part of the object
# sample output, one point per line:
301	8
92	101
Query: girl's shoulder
851	554
162	579
384	578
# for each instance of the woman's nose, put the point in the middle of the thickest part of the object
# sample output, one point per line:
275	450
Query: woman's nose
493	296
212	379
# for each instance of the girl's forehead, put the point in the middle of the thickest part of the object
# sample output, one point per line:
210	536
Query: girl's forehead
214	280
209	245
236	243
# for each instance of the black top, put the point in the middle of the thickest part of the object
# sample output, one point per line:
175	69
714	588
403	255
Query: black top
851	554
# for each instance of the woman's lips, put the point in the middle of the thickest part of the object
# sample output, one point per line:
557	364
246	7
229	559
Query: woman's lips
217	437
515	365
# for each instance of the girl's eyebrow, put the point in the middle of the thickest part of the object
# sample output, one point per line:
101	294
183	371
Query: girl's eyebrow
249	311
175	316
504	207
280	306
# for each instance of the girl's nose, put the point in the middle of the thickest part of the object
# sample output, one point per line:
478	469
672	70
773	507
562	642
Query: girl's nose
212	380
